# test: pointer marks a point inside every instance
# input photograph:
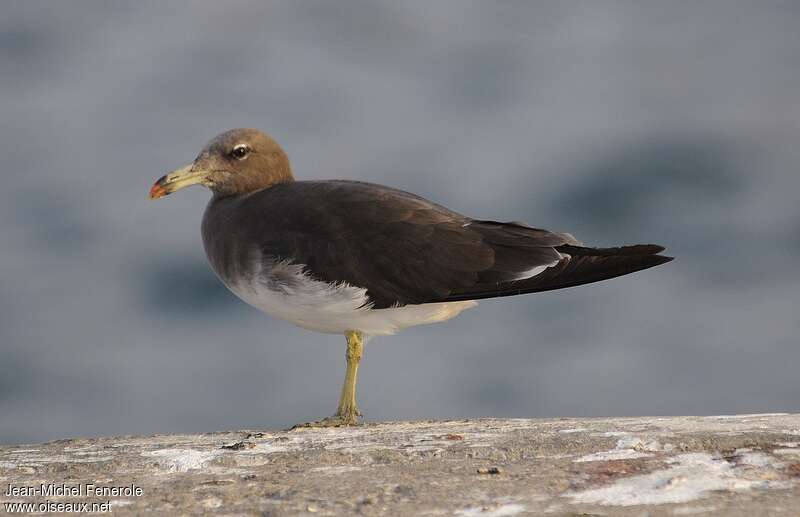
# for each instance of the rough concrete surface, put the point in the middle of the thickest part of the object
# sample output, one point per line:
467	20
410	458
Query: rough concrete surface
721	465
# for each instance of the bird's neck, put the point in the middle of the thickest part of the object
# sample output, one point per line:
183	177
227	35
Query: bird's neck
275	170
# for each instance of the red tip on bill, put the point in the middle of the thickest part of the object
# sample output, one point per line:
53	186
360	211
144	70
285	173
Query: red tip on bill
157	191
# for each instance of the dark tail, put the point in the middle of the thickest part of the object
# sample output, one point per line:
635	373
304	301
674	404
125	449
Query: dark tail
583	266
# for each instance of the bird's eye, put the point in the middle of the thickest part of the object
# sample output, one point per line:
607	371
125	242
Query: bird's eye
240	151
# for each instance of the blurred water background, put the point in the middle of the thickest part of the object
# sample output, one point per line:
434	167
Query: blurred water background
621	122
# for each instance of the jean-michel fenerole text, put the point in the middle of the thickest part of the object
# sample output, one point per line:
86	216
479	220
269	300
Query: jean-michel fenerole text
73	490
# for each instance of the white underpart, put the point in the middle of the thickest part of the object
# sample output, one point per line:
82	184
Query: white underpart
283	290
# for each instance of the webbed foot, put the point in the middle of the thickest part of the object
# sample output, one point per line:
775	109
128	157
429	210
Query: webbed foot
348	419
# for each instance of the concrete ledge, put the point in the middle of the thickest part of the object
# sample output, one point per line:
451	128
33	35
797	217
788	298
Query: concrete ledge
729	465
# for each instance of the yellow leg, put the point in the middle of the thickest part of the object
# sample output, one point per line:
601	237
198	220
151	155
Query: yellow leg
347	414
348	409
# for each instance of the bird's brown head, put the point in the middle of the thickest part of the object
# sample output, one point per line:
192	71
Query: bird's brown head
236	162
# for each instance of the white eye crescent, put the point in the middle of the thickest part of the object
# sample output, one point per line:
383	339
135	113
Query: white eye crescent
240	151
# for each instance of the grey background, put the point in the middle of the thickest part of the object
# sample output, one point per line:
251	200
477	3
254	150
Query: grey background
668	122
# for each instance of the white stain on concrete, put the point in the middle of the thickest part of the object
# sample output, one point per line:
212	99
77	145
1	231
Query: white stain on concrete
212	503
791	451
271	448
504	510
757	459
79	449
628	447
692	477
612	433
181	460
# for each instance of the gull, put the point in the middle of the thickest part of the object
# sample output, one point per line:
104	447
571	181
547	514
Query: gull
362	260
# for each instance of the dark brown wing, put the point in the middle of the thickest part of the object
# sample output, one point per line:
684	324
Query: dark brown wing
579	266
407	250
